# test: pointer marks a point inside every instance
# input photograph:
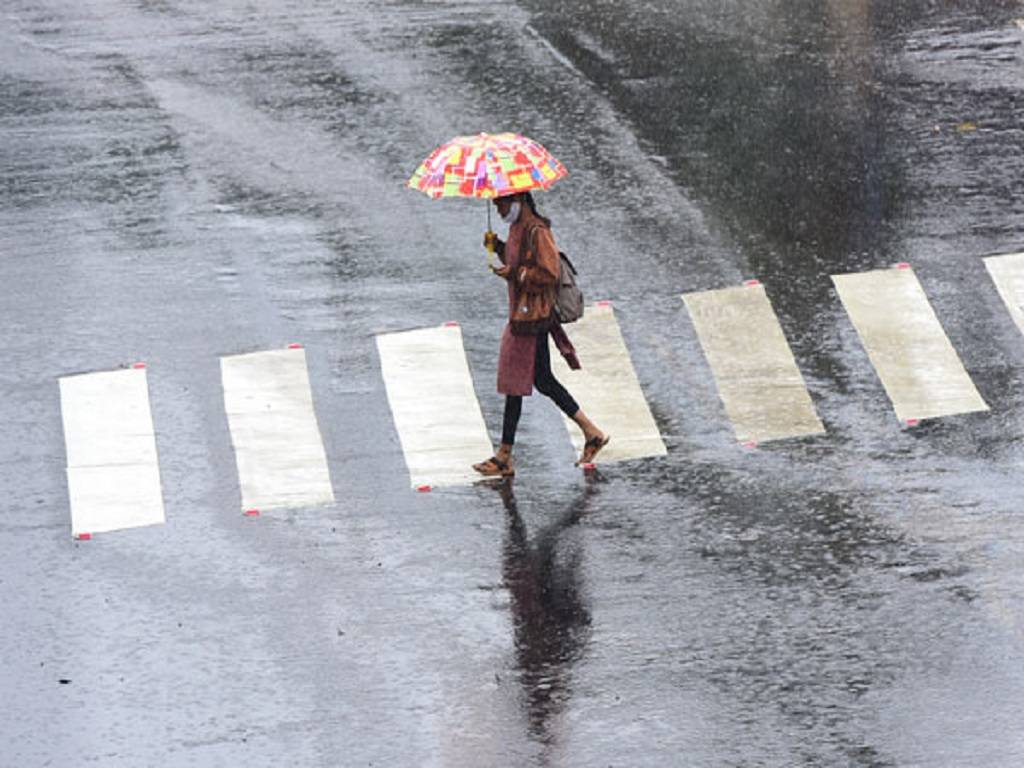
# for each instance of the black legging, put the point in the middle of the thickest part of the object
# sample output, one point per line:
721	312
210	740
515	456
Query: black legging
546	384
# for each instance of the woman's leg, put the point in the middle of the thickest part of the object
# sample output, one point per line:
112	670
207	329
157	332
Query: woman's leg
513	409
547	384
500	465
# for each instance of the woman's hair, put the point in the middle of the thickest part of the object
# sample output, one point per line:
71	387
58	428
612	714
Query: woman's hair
533	208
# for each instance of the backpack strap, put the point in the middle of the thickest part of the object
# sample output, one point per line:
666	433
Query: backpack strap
527	247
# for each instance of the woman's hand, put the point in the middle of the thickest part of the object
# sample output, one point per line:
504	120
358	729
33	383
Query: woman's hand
504	271
493	243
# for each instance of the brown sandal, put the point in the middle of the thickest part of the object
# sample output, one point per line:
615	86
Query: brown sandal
494	467
591	449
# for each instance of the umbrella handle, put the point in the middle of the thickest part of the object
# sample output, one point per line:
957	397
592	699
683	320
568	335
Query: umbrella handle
490	252
490	238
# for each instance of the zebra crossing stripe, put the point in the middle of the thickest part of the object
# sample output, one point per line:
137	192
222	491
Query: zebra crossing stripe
916	362
434	406
607	388
758	379
1007	273
113	474
278	448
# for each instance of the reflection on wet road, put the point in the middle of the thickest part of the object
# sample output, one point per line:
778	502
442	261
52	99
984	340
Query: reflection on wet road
550	618
181	182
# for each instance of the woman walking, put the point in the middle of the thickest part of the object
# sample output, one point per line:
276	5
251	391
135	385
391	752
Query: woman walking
530	266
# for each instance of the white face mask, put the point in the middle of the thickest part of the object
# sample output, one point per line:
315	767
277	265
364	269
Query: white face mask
513	213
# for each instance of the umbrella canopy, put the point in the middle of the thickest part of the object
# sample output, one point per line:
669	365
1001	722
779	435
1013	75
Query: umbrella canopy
486	166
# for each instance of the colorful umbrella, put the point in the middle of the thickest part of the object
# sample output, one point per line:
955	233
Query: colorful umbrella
486	166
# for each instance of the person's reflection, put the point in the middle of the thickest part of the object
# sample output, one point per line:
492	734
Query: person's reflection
552	624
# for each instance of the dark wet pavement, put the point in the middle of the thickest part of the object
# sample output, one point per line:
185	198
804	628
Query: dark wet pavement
181	181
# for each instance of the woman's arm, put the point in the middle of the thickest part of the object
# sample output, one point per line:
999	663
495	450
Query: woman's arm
543	270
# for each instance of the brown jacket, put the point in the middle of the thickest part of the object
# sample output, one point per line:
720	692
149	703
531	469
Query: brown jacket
534	279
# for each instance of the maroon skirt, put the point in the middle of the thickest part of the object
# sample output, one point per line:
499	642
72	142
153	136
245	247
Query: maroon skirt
515	362
517	358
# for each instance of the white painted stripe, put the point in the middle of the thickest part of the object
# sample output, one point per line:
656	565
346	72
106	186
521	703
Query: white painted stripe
1008	274
607	388
914	358
434	405
278	448
758	379
113	475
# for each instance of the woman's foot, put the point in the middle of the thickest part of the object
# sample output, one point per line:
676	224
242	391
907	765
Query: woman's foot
495	467
592	447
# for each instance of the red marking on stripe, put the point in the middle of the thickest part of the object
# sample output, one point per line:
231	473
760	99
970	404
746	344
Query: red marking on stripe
912	422
749	443
84	536
294	346
138	366
903	265
251	513
424	488
604	303
451	324
589	466
752	282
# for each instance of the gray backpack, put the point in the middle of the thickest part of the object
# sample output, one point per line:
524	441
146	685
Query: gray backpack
569	297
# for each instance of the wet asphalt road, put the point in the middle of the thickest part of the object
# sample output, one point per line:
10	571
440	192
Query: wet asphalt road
183	180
